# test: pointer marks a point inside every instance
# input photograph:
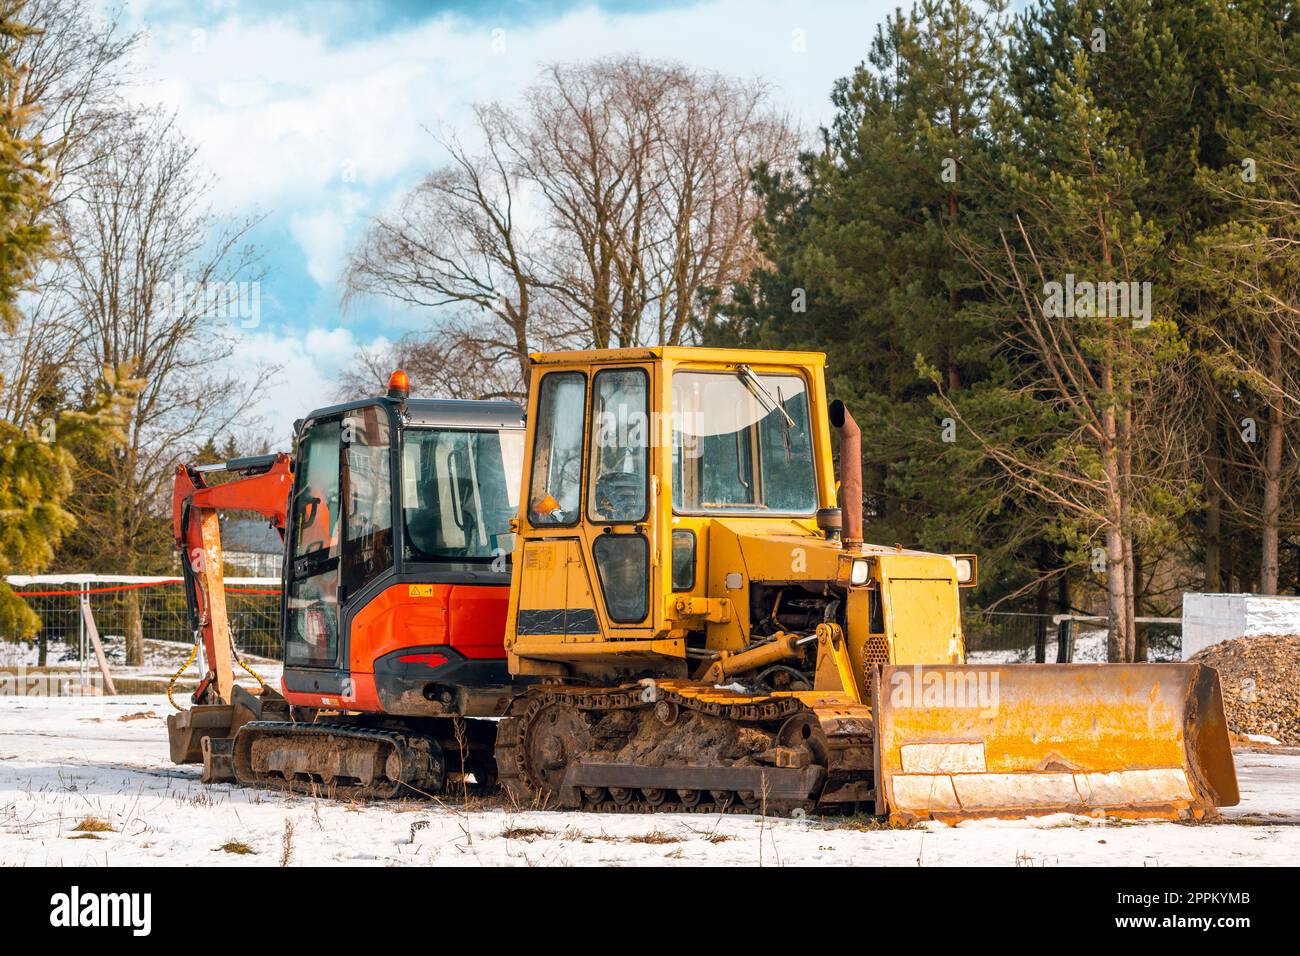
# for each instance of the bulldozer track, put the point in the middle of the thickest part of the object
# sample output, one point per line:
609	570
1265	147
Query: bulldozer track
520	781
356	762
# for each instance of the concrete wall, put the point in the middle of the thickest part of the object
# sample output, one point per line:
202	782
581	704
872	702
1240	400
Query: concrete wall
1211	618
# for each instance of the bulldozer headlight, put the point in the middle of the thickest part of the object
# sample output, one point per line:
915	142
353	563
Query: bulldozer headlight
853	571
967	570
860	572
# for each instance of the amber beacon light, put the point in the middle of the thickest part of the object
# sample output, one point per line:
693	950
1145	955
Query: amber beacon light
399	386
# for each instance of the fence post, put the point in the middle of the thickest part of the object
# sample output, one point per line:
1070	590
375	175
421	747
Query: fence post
88	624
83	657
1064	641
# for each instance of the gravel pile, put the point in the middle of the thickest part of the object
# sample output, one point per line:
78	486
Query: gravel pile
1260	677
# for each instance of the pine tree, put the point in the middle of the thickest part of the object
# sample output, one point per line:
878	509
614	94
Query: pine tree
34	476
36	462
864	264
1245	272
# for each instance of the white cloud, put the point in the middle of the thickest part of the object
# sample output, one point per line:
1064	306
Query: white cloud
309	366
323	236
290	122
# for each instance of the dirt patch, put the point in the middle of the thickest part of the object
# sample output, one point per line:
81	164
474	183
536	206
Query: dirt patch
138	715
1260	677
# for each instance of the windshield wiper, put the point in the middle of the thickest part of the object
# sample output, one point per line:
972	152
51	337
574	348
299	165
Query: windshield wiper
759	390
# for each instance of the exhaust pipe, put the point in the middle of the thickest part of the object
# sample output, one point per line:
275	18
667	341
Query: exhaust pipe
850	472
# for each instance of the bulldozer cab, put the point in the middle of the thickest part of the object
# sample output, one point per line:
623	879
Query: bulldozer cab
633	455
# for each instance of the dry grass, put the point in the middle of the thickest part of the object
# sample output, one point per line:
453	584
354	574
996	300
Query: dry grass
865	823
86	836
235	846
656	838
92	825
526	833
286	843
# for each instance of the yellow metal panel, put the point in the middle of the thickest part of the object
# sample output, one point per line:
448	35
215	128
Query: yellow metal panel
1138	739
552	648
578	595
858	641
922	609
544	581
727	565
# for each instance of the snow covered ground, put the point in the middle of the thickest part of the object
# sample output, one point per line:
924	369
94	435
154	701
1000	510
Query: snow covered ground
64	761
161	660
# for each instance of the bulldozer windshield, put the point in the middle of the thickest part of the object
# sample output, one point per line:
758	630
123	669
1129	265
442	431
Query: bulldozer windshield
742	444
460	490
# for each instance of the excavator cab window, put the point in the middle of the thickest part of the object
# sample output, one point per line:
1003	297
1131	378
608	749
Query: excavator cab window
368	491
619	490
742	444
460	492
316	527
620	442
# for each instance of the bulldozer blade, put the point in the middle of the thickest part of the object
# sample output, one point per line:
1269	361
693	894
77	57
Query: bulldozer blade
1130	740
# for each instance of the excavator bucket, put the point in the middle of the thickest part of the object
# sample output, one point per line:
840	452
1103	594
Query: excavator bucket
205	732
1131	740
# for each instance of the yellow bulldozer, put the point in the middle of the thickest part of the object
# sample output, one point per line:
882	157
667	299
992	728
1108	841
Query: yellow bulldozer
704	627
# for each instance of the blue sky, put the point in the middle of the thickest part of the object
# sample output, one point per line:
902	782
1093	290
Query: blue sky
316	115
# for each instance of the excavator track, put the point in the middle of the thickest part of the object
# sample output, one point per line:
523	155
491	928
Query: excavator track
676	747
347	762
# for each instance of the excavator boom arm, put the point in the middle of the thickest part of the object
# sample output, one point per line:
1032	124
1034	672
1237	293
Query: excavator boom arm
263	486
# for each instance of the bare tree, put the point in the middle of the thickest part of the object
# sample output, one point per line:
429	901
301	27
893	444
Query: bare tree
153	275
74	69
1075	424
453	362
456	242
612	208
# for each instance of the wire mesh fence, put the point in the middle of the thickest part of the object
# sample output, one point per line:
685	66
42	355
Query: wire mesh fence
153	608
1012	637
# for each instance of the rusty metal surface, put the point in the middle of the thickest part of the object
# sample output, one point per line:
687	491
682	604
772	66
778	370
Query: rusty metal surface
1124	740
187	728
773	782
660	746
346	762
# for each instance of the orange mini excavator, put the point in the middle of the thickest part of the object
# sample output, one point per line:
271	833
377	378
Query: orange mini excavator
396	516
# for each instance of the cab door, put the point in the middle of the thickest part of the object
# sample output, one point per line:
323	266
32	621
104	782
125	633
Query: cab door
619	533
313	563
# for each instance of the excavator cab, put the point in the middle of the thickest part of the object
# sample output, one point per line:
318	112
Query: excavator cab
712	631
398	557
397	519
